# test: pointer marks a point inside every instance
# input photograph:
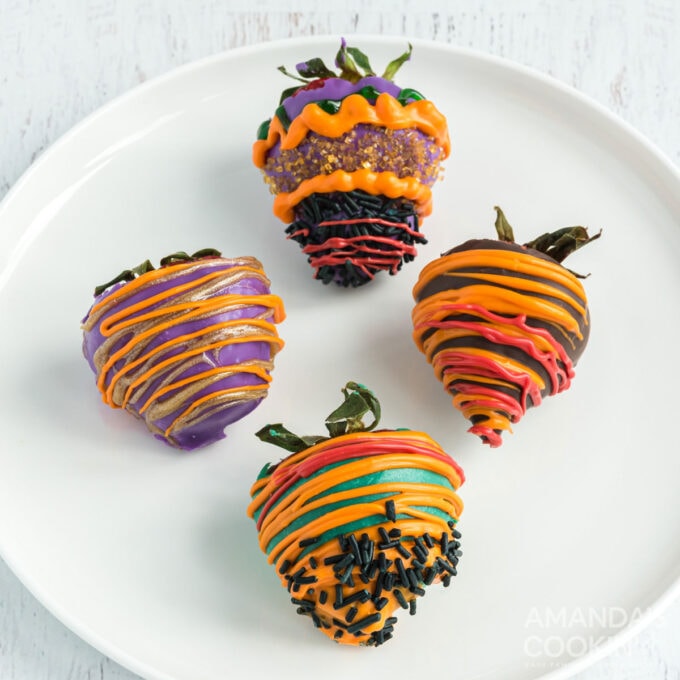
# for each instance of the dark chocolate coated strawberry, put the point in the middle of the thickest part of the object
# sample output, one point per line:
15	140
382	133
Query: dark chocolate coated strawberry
503	324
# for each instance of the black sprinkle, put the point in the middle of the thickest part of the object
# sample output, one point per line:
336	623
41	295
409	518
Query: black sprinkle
304	580
402	550
308	541
370	551
401	599
362	623
346	576
316	619
381	603
456	533
303	604
333	559
445	543
446	580
390	511
412	607
419	553
394	533
403	577
284	567
384	535
354	547
429	541
370	572
338	597
338	634
344	562
313	563
445	566
351	614
421	544
359	596
412	579
323	597
377	590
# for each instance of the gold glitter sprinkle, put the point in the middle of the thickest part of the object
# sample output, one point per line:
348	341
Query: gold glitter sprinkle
406	152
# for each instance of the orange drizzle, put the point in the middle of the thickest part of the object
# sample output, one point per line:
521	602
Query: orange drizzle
126	374
367	453
523	263
355	109
496	310
375	183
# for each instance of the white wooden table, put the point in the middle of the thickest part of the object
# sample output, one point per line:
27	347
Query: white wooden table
61	60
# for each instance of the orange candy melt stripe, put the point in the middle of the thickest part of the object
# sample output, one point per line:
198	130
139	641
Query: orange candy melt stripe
374	183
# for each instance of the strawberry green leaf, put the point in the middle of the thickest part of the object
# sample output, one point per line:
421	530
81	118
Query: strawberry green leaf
361	61
291	75
314	68
563	242
396	64
348	417
280	436
344	61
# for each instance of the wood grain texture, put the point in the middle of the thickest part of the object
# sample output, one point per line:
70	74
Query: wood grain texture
61	60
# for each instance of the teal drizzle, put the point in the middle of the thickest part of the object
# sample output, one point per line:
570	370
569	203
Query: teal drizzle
395	475
392	475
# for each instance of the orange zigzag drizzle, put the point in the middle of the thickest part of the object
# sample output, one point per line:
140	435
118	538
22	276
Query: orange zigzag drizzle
354	110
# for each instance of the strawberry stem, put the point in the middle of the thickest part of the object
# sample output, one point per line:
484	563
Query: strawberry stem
345	419
557	244
146	266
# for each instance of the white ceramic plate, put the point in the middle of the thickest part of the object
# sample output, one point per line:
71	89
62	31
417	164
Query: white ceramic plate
570	529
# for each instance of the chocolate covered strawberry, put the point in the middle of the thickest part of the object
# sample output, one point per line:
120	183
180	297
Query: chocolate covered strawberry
503	324
351	158
187	347
360	522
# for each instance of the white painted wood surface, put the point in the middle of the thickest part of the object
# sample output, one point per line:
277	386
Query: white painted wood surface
62	59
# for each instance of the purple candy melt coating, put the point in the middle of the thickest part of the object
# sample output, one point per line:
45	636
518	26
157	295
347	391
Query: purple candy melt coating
335	89
211	428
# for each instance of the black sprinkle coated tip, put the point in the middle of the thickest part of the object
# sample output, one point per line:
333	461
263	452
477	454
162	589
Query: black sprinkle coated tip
314	227
396	568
